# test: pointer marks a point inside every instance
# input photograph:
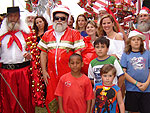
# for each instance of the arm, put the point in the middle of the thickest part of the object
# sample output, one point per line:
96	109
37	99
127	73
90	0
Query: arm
88	103
93	102
144	86
91	74
43	59
121	80
92	82
60	104
130	79
120	73
120	102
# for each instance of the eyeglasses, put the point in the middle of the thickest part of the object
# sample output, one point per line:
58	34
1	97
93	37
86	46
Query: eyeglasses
61	18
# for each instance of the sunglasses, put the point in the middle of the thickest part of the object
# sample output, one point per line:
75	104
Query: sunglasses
61	18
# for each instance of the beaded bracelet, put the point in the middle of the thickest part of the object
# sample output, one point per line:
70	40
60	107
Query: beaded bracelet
136	83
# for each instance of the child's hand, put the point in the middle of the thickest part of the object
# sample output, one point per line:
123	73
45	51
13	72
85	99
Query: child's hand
144	86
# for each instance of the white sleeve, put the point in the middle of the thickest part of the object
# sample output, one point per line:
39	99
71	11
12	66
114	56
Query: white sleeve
118	68
90	72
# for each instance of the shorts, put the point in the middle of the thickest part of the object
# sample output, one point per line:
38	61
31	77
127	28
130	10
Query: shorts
137	101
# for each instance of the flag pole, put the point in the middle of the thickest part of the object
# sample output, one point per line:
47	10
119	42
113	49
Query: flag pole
13	3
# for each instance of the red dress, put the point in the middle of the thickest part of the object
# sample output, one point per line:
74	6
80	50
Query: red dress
88	54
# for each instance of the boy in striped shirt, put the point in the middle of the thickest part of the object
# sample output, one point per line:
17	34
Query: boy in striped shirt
101	46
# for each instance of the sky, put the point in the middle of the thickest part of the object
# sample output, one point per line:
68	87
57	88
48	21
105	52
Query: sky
72	4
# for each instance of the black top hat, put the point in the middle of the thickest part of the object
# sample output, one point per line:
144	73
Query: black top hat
13	9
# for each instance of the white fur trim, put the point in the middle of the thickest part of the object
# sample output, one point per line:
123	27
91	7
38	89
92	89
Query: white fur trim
102	8
30	14
61	8
23	26
143	12
136	33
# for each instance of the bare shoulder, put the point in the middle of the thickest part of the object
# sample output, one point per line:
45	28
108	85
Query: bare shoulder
118	36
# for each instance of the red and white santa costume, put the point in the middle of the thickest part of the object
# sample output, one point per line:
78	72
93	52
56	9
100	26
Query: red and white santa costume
59	46
147	40
146	11
58	58
15	70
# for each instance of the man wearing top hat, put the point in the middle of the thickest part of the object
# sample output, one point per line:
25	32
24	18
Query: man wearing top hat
15	64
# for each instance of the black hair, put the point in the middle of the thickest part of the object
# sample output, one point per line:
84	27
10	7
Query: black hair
102	40
75	54
72	18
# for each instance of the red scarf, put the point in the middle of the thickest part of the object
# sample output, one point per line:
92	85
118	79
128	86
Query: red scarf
12	39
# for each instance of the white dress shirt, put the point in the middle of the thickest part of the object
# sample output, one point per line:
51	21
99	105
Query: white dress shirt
13	54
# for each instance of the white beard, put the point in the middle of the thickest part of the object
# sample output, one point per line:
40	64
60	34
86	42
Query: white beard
11	26
30	24
23	27
59	26
143	26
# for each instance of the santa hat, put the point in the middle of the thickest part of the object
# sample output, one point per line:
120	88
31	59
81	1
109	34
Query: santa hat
61	8
30	14
136	33
144	10
102	8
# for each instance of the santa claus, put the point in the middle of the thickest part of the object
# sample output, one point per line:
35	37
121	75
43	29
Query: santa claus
15	79
144	25
30	19
56	46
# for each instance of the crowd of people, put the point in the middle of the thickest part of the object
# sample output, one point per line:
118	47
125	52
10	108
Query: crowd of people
94	67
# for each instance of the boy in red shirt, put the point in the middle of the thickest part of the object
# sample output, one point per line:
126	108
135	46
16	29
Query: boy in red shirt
74	89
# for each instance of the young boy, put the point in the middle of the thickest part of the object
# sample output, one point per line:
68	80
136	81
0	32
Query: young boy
108	95
74	89
101	46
